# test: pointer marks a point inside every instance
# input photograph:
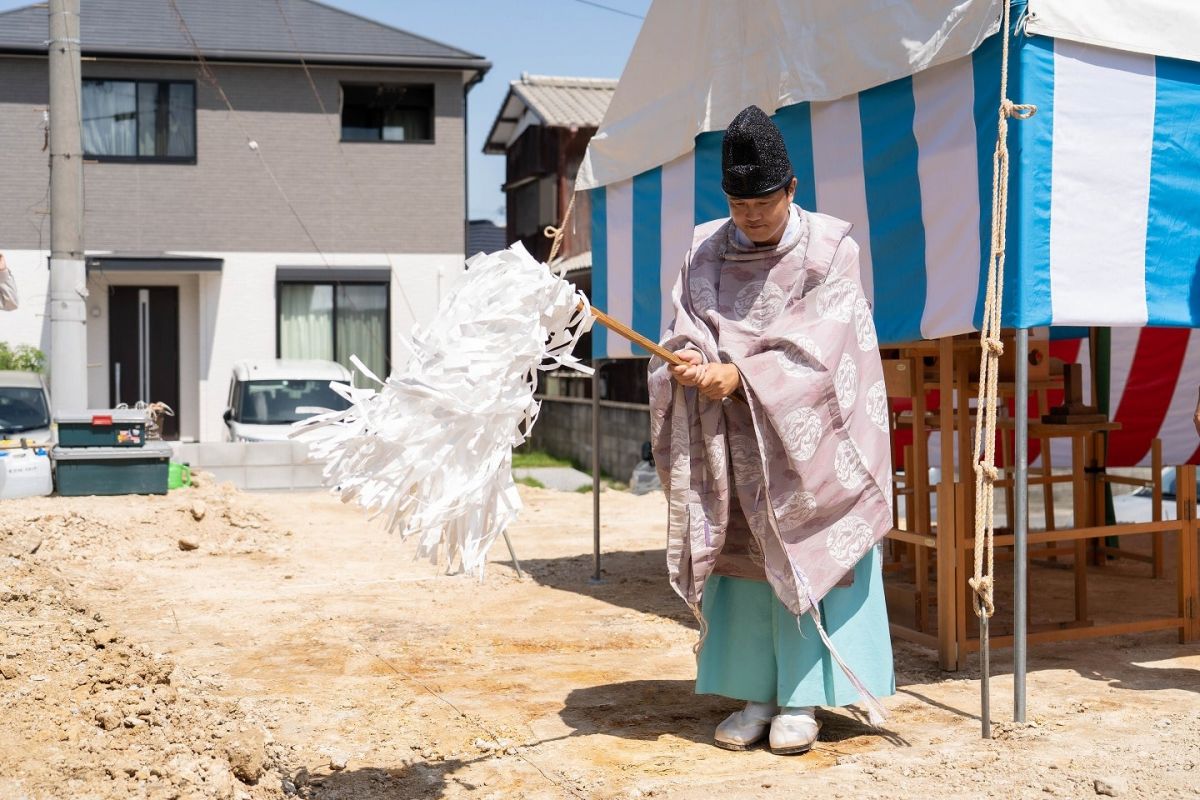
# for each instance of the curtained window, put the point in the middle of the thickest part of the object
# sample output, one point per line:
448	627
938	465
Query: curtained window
333	321
139	120
387	112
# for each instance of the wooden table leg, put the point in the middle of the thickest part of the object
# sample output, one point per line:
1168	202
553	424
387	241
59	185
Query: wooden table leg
1081	501
1097	457
965	555
1158	566
947	581
1189	553
1047	470
1008	444
923	520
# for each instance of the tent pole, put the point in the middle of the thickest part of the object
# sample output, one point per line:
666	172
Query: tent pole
1021	528
985	678
596	364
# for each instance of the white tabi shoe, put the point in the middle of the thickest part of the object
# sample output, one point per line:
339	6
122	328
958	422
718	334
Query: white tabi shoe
742	729
794	731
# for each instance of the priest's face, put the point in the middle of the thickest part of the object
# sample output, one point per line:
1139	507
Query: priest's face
763	220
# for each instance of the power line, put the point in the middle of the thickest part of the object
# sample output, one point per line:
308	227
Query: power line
620	11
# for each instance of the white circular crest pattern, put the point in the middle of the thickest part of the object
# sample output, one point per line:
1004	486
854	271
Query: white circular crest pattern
704	294
797	356
802	432
836	300
845	381
864	326
848	540
848	465
759	303
797	509
877	405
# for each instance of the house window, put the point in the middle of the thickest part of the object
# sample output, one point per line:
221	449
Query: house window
139	120
387	112
333	321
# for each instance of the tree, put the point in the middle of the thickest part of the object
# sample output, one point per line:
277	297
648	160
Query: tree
23	357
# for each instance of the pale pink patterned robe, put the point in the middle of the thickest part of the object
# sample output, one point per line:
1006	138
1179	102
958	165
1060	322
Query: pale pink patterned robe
807	456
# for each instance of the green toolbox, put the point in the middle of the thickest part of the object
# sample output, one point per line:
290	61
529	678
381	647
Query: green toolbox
112	470
117	427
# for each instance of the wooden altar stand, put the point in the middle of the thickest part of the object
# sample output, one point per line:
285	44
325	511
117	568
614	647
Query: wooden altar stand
930	553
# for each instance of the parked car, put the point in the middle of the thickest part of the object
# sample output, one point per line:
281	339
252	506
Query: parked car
24	407
266	397
1138	506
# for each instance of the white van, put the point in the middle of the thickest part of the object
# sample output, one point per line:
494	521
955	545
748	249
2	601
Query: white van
266	397
24	407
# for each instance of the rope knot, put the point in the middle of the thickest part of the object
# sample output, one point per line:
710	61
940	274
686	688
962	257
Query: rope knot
1016	110
985	605
988	471
994	345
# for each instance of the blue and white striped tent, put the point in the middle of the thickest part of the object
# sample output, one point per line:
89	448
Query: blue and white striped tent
1104	204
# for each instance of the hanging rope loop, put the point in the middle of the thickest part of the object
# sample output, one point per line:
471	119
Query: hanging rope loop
992	347
1016	110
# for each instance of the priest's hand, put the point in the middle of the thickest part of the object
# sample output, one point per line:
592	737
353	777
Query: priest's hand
719	381
691	371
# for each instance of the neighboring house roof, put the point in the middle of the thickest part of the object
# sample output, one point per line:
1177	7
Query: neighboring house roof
485	236
257	30
555	102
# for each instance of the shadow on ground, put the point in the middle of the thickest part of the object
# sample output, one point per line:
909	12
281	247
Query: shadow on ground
636	580
417	780
649	709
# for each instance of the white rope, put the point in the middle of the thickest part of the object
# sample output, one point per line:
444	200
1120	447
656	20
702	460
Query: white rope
984	454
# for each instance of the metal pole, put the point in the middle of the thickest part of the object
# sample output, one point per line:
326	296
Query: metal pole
596	364
1021	527
68	278
513	554
985	662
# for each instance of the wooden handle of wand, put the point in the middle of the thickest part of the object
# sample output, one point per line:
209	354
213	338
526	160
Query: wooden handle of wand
621	329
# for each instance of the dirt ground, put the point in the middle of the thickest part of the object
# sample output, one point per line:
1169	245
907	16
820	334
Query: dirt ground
212	644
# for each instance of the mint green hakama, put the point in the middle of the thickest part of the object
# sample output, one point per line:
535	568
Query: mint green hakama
755	651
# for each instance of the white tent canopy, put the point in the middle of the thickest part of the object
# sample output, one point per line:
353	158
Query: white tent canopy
726	54
1168	28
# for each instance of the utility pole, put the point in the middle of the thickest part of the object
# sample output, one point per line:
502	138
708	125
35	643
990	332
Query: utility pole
68	278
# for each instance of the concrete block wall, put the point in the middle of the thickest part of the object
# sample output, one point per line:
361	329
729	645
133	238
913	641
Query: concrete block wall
254	465
564	429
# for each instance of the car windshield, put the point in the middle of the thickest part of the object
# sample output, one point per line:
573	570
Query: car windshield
278	402
23	408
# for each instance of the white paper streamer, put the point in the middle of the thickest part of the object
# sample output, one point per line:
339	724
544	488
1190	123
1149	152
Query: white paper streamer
431	450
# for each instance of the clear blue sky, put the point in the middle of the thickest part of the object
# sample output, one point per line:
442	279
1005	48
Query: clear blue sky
547	37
